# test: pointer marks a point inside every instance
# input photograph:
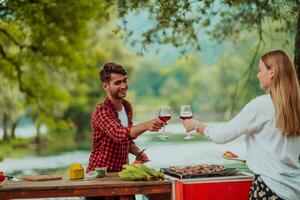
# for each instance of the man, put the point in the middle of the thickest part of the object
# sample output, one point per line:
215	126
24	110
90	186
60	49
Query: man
112	129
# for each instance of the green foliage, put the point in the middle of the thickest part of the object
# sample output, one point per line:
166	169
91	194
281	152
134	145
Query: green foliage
51	51
49	145
15	147
43	48
87	90
239	166
147	82
1	156
56	143
11	99
61	171
12	106
216	91
184	22
54	59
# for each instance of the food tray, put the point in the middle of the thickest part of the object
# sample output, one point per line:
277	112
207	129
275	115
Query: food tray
225	172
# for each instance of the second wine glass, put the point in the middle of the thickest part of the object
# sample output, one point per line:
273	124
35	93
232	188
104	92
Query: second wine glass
186	113
164	115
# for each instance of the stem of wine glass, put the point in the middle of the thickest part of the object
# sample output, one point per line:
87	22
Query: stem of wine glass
188	136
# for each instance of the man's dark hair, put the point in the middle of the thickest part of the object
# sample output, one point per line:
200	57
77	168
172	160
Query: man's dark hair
110	68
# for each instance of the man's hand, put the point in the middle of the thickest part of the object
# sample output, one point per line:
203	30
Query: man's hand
152	125
142	157
155	125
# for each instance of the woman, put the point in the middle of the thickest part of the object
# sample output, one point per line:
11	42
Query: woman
271	124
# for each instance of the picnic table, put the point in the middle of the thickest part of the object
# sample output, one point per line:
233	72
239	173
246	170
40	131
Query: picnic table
109	186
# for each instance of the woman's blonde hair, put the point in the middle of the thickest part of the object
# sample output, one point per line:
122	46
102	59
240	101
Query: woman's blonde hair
284	91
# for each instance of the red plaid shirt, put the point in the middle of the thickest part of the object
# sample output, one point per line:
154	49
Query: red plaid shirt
111	140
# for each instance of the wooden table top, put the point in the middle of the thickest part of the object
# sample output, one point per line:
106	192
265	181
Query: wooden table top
111	180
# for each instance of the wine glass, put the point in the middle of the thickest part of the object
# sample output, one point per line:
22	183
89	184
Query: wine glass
164	115
186	113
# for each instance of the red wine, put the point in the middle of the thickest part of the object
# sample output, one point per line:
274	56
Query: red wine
165	118
186	117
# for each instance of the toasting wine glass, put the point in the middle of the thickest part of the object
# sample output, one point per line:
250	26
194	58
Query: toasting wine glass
164	115
186	113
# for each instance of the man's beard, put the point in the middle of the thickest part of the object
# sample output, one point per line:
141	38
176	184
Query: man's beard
116	95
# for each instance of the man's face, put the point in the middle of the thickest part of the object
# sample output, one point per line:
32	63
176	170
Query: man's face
117	86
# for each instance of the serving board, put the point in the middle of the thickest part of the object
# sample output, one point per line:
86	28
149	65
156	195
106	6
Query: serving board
236	159
41	178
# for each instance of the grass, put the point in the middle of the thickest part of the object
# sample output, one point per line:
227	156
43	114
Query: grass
50	144
15	147
176	138
62	171
1	156
239	166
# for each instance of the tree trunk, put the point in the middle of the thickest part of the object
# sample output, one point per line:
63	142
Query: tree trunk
297	47
5	127
38	133
13	128
79	132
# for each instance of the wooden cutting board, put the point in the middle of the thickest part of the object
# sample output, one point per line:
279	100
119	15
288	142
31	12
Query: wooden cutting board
41	178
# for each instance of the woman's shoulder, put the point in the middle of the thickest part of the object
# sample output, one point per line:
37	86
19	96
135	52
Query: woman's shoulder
261	102
262	99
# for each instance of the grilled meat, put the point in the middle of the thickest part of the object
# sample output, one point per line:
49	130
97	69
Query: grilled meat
197	169
229	154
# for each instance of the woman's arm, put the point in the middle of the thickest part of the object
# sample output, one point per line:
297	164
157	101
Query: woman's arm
249	120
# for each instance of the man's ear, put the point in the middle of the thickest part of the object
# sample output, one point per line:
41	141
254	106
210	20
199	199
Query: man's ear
105	85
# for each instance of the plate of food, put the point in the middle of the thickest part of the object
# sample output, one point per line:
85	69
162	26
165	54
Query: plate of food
232	156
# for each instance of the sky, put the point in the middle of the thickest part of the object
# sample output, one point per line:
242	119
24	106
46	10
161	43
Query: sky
167	54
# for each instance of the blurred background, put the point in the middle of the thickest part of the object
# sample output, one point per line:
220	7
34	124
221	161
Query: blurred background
176	52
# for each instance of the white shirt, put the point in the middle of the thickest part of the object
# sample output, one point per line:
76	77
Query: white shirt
270	154
122	115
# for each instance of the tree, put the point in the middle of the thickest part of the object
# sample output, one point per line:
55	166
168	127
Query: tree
42	48
52	51
183	22
12	106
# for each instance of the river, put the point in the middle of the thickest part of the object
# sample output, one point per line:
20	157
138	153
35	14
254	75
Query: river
161	154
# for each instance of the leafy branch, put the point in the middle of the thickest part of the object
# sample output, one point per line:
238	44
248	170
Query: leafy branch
19	72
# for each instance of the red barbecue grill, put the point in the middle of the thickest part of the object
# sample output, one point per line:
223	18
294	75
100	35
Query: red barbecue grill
228	184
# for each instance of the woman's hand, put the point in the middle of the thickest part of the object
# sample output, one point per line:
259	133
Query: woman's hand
190	124
193	124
